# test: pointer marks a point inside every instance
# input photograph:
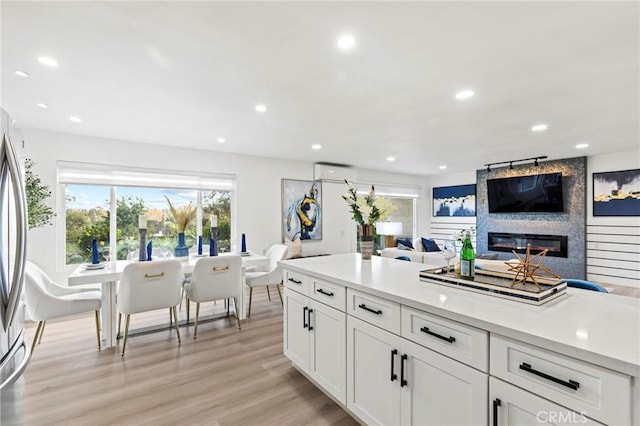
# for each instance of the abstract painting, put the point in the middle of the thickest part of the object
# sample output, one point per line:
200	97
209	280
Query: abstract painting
457	200
616	193
301	210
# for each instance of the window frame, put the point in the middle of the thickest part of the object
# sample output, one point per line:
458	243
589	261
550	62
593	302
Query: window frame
111	177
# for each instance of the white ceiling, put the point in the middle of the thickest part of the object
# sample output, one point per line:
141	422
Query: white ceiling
185	73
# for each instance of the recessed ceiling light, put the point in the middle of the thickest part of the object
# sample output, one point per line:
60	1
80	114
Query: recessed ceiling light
443	167
346	42
539	127
261	108
464	94
47	61
391	158
75	119
316	146
221	140
582	146
42	105
21	73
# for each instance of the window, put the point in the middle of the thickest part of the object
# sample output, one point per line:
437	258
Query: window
104	203
403	198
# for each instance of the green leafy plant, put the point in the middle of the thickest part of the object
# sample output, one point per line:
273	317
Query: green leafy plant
38	212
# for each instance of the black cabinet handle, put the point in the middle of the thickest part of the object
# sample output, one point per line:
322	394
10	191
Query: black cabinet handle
394	376
572	384
304	317
496	404
293	280
309	318
449	339
324	292
366	308
403	381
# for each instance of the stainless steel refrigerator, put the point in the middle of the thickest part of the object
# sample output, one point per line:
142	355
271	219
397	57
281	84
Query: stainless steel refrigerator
14	348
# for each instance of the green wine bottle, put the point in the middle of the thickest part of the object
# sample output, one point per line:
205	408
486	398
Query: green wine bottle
467	258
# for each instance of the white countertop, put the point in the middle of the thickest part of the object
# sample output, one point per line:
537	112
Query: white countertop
600	328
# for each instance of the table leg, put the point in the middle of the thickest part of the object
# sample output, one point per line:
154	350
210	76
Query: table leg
241	298
109	314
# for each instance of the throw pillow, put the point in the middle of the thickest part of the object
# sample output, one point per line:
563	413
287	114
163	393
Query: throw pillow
403	247
294	248
430	245
405	242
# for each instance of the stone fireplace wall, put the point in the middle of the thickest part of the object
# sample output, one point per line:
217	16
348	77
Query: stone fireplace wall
572	222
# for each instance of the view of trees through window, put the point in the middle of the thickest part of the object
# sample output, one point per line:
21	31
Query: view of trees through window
88	215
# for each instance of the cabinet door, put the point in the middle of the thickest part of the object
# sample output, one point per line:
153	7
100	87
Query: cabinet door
512	406
328	358
440	391
296	330
373	372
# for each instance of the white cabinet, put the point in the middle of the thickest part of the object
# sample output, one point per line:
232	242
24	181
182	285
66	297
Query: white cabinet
373	373
512	406
391	380
599	393
315	339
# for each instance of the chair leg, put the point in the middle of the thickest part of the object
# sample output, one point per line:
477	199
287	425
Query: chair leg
188	305
119	323
268	294
235	308
250	298
39	328
170	317
126	332
195	328
175	320
280	294
227	302
41	332
181	296
98	329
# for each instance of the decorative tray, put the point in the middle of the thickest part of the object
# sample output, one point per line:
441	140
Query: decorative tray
498	284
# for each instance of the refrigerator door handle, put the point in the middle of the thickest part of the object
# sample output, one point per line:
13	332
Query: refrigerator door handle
23	364
9	158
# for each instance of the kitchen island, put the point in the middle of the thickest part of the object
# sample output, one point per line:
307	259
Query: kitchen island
393	349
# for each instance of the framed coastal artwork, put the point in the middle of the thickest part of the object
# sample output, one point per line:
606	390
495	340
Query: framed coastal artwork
459	200
301	210
616	193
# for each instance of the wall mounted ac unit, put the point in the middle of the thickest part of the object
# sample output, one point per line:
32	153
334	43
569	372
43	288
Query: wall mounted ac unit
329	172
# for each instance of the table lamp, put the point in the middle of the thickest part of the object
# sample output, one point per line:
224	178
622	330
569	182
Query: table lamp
389	229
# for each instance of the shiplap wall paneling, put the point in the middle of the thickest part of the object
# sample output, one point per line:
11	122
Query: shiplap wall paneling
443	227
613	252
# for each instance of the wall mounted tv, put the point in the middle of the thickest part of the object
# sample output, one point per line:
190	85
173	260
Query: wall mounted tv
531	194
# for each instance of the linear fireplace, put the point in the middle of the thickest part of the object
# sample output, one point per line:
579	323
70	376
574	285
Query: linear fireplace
504	241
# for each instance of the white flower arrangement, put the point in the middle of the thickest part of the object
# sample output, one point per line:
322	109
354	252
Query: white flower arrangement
367	209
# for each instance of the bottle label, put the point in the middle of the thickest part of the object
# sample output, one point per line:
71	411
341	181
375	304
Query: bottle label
467	269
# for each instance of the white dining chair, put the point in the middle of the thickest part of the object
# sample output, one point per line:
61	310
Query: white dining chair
47	300
268	275
147	286
215	278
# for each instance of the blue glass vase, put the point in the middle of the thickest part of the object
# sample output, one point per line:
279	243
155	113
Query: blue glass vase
181	250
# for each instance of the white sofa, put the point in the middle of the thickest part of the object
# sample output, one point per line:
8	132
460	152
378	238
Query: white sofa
431	258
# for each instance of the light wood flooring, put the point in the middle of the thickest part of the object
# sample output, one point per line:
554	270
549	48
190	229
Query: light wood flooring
225	377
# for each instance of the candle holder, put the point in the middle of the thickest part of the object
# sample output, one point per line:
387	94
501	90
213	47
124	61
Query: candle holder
213	249
143	245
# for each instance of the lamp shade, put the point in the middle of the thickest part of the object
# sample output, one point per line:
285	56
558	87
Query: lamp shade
389	228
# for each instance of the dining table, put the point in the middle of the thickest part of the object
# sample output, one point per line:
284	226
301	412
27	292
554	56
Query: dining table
110	273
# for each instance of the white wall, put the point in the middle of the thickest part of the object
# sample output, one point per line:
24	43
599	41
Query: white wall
258	189
613	243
